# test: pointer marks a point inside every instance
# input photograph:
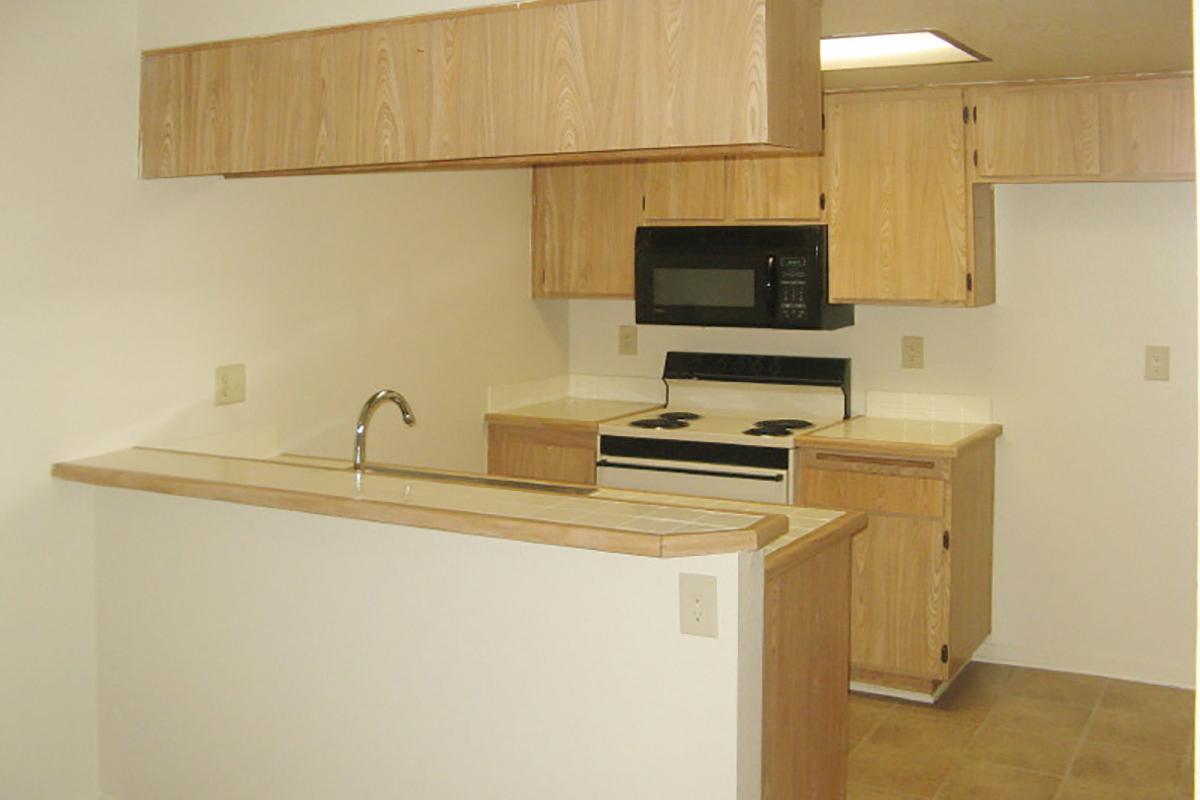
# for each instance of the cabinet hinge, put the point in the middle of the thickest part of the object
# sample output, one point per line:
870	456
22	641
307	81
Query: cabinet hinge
975	157
975	113
945	654
822	120
945	540
643	202
970	283
966	115
822	201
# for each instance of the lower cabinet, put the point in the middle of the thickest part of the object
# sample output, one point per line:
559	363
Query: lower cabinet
921	572
542	451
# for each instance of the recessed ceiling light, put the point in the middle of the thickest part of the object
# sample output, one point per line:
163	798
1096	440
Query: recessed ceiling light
894	50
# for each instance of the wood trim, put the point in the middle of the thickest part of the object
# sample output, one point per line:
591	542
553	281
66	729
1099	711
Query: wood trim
806	643
814	441
807	546
515	420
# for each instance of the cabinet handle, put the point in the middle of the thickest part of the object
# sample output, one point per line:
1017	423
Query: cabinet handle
822	201
883	462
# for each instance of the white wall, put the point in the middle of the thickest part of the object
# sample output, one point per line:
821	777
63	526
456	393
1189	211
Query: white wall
1096	483
121	296
379	661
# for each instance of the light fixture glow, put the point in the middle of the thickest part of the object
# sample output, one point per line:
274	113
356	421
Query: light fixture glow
893	50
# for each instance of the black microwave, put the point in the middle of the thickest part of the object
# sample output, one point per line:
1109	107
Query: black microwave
749	277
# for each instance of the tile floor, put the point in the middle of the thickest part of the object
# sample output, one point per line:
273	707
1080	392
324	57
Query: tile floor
1006	733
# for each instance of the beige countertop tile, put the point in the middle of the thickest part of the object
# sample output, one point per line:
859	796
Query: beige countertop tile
573	516
575	409
926	436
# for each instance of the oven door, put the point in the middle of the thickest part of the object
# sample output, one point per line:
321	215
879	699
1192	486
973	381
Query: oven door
702	480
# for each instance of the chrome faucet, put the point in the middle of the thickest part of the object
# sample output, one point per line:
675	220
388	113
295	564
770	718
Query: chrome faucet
364	419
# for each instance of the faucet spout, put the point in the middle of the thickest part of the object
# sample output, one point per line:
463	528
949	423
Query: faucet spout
364	420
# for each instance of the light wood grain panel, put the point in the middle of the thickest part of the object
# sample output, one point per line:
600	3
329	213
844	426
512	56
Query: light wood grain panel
585	219
185	113
897	191
972	504
861	491
685	190
875	463
899	597
774	188
1147	130
1036	131
794	71
806	635
982	291
541	453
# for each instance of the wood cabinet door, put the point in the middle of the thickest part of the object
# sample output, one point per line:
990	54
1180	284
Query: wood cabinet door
585	219
1036	132
1147	130
770	188
686	190
897	197
542	453
899	593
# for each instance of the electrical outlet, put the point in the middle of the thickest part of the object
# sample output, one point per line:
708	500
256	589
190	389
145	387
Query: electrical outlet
698	605
231	384
1158	363
627	340
912	352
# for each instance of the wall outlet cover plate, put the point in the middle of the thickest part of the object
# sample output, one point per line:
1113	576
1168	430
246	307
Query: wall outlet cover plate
698	605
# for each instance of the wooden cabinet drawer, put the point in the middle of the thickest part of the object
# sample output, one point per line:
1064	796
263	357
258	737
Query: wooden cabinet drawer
876	463
864	491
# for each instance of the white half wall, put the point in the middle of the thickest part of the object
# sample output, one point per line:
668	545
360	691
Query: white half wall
250	653
120	297
1095	561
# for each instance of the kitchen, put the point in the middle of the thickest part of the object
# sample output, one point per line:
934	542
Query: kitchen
326	288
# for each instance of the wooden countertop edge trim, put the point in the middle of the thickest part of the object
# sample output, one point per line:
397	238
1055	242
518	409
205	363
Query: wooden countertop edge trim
817	442
809	545
464	522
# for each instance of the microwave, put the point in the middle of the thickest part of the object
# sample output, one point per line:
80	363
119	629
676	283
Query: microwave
746	277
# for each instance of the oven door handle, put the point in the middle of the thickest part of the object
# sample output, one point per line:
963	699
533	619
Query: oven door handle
685	471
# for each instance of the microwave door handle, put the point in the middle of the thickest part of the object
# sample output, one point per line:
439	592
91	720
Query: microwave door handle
769	286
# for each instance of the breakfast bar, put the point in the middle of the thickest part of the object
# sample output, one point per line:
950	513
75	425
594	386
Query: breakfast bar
387	627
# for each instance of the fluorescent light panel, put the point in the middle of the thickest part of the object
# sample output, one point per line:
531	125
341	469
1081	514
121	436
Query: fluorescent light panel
892	50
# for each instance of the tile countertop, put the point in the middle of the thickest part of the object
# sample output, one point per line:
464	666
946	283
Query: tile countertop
585	517
922	437
572	410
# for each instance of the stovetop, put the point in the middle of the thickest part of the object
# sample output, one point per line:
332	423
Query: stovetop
721	427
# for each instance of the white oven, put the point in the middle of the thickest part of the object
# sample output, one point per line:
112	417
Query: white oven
733	472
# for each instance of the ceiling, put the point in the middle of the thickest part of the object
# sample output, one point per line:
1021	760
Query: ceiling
1024	38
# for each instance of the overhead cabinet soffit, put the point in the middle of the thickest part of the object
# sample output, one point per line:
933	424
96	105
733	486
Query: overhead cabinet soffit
539	82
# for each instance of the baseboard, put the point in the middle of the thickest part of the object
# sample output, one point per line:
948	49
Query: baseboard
1176	675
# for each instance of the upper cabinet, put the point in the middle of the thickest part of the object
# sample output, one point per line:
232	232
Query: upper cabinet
902	220
1084	130
525	83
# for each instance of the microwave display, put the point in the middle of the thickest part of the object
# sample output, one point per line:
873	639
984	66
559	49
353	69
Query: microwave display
753	277
721	288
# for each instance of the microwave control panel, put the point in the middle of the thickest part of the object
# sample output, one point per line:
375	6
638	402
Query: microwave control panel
793	292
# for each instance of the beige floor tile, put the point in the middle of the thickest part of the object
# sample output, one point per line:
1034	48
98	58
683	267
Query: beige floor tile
961	702
1168	731
1061	687
923	733
857	791
1075	789
1050	716
979	781
978	675
900	770
1023	748
1128	696
1130	768
864	719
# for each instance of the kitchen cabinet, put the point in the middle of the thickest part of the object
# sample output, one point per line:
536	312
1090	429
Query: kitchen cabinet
1139	129
904	225
750	189
921	590
542	450
584	222
522	83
